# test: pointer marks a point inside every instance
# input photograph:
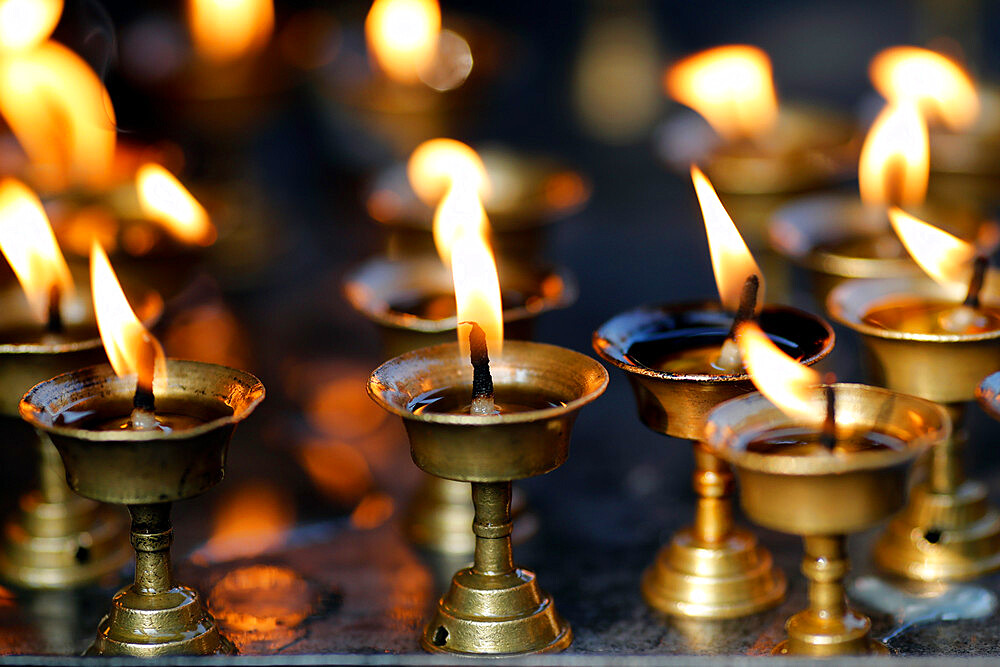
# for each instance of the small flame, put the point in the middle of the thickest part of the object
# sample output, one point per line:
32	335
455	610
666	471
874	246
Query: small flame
24	24
895	158
460	212
731	259
943	257
28	243
785	382
477	291
226	30
60	113
403	37
164	199
438	163
939	86
730	86
131	349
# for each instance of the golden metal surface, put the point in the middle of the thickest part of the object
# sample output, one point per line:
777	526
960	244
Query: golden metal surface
438	516
824	498
948	531
147	470
711	569
56	539
493	607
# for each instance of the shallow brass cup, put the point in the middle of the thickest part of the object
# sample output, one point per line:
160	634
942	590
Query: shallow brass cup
824	498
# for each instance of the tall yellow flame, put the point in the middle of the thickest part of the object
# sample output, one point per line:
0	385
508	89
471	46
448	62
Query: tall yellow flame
785	382
27	241
939	86
227	30
477	291
436	164
403	36
25	24
164	199
895	158
732	262
460	212
131	348
730	86
943	257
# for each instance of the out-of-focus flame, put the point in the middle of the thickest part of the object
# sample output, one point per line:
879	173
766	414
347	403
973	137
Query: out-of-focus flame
943	257
477	290
131	349
460	212
438	163
939	86
28	243
731	259
227	30
164	199
785	382
24	24
730	86
895	158
251	520
402	36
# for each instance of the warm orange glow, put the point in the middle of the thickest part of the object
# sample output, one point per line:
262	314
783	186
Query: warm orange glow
895	158
438	163
730	86
24	24
939	86
249	521
731	259
477	290
943	257
28	243
403	36
460	212
165	200
785	382
131	349
227	30
60	113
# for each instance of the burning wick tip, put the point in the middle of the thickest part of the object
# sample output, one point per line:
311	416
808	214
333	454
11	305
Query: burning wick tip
963	318
830	423
143	416
979	267
482	380
55	322
730	358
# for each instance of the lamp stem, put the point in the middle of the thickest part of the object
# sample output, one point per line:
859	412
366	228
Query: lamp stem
152	535
825	565
713	482
492	527
947	471
51	473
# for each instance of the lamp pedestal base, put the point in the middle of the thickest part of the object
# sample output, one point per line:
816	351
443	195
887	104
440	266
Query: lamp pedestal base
942	536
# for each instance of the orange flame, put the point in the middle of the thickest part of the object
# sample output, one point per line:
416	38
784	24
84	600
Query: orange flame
403	37
943	257
52	101
477	289
227	30
164	199
732	262
438	163
785	382
934	83
28	243
131	349
25	24
895	158
730	86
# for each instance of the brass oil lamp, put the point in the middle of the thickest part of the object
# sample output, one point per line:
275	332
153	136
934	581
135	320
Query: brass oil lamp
673	358
412	300
835	237
820	478
522	194
156	433
492	607
54	539
488	423
922	339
